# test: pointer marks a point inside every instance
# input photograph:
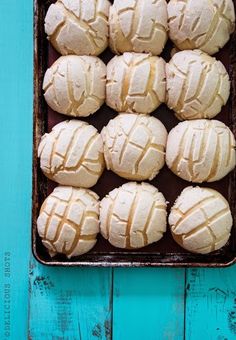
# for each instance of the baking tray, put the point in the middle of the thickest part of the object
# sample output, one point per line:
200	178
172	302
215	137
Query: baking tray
166	252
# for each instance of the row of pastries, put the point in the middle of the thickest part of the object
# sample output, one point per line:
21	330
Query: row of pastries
193	84
136	145
86	27
131	217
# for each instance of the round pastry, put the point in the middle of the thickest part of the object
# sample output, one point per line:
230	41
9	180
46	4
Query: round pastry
75	86
72	154
133	216
138	26
201	150
201	220
68	222
78	27
134	146
136	82
202	24
197	85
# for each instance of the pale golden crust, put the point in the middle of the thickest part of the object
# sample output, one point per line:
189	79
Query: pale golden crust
75	86
133	215
134	146
197	85
201	220
78	27
202	24
136	83
201	150
68	222
138	26
72	154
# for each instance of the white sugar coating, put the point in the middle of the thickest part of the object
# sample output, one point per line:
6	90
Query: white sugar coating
201	150
136	82
75	85
133	215
201	220
197	85
138	26
134	146
78	27
72	154
68	222
201	24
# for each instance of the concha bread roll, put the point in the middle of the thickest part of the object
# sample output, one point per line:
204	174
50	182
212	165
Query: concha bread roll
75	86
197	85
134	146
78	27
201	220
68	222
136	83
138	26
133	216
201	150
202	24
72	154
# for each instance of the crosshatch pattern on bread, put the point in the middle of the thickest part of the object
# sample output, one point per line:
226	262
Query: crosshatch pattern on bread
78	27
133	215
134	146
72	154
202	24
136	82
201	220
138	26
75	86
68	222
137	85
201	150
197	85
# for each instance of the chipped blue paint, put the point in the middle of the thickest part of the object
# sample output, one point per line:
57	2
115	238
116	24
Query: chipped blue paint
70	303
211	304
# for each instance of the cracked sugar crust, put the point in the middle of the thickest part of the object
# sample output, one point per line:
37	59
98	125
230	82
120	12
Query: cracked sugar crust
78	27
138	26
68	222
75	86
136	83
201	220
72	154
197	85
201	150
134	146
201	24
133	216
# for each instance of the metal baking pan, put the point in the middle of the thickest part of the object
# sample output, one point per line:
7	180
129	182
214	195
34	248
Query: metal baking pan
166	252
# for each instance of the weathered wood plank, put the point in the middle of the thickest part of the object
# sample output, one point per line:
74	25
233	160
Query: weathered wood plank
211	304
70	303
148	304
15	170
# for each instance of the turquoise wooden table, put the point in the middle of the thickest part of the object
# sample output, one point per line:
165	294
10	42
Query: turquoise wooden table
53	303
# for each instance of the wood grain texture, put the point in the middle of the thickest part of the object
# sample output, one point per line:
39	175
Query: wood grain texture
148	304
210	304
70	303
61	300
16	77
